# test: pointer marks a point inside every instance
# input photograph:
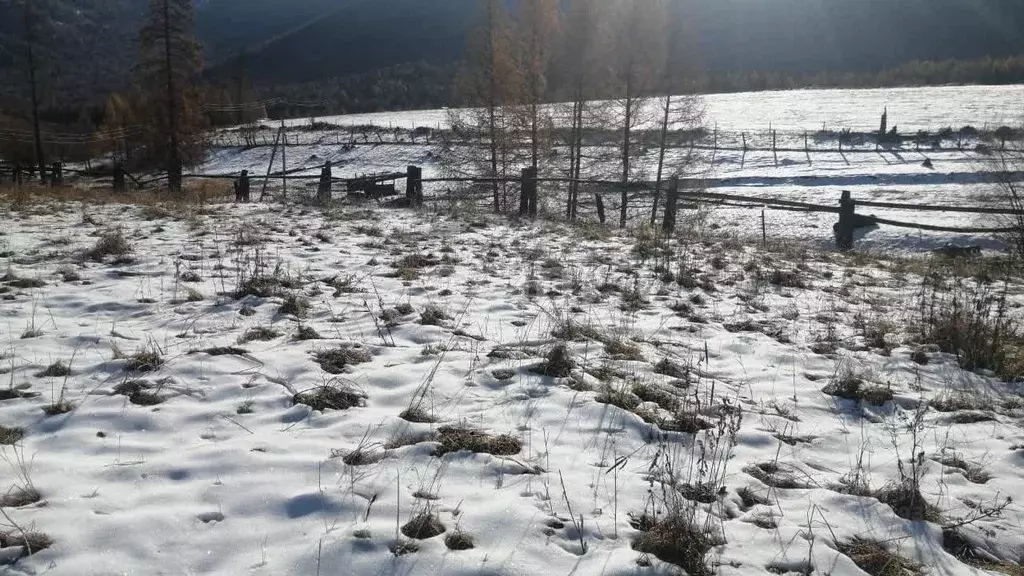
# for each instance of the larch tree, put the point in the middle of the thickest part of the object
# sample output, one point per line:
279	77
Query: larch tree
637	62
578	72
489	83
679	106
36	30
539	23
170	64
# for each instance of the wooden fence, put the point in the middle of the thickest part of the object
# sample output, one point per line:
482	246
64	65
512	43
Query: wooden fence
676	191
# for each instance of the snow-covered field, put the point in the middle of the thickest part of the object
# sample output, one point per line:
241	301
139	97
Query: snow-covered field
157	416
913	109
956	177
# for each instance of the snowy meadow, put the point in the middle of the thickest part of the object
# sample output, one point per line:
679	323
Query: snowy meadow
216	388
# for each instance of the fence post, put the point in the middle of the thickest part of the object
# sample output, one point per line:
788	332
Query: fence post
671	205
528	193
775	150
284	162
119	182
744	141
600	207
844	228
414	186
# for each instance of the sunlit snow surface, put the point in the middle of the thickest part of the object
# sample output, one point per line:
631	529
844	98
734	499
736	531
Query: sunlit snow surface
959	178
228	477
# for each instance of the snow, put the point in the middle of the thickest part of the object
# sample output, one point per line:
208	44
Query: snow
193	486
912	109
895	174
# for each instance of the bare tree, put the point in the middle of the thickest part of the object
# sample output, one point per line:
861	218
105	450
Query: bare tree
490	82
169	66
579	69
680	107
638	60
539	24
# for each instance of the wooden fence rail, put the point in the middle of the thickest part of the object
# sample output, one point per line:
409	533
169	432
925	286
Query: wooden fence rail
676	192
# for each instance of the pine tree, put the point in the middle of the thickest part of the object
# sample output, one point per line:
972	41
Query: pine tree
170	64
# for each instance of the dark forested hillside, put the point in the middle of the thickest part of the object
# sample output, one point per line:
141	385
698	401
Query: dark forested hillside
309	42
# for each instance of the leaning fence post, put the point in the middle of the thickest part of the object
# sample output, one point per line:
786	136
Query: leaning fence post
844	228
414	186
671	205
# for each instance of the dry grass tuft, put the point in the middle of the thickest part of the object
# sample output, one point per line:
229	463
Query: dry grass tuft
874	558
675	540
456	439
559	362
9	436
423	526
459	540
30	541
331	396
259	334
145	361
335	361
56	370
111	243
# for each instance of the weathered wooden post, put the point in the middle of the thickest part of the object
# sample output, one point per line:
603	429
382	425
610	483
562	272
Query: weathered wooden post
844	228
414	186
242	191
744	141
775	150
764	229
16	177
671	206
528	193
57	178
323	190
119	182
284	162
599	201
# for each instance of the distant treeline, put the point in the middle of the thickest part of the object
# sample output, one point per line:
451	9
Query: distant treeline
422	85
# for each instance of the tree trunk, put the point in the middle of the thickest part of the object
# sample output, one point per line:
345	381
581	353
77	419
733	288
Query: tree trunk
661	158
36	132
173	155
627	134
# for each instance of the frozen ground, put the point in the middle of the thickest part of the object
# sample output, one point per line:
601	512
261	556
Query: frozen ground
152	400
956	177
